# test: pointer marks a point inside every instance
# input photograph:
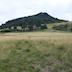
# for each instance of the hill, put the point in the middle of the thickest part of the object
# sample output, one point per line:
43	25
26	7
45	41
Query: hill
30	23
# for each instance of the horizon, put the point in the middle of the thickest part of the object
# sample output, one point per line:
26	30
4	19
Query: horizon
12	9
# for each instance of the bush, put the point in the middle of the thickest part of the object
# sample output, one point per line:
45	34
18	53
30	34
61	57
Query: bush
6	30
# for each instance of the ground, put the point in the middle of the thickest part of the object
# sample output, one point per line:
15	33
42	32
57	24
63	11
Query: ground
36	52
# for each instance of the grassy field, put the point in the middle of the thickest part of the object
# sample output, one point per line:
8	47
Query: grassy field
36	52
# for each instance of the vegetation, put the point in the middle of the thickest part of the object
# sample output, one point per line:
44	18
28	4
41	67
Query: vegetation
36	52
66	26
30	23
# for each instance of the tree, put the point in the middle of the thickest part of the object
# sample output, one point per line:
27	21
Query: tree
43	26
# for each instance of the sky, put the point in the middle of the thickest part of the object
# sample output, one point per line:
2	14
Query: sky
12	9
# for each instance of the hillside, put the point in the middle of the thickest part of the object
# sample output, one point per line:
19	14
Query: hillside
65	26
34	22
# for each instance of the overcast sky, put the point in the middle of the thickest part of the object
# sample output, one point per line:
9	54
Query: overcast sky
11	9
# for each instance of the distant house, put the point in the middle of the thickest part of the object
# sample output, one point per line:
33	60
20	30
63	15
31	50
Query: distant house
35	27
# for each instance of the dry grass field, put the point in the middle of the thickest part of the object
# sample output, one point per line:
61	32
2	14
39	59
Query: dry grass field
37	36
36	52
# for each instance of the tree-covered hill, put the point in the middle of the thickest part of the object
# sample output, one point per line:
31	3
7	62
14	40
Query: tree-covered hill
34	22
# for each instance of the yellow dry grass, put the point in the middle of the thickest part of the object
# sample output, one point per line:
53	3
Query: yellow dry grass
37	36
51	37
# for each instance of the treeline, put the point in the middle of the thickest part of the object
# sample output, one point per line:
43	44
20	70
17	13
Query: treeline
24	28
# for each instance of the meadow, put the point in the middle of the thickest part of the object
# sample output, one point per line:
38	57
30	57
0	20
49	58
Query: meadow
36	52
